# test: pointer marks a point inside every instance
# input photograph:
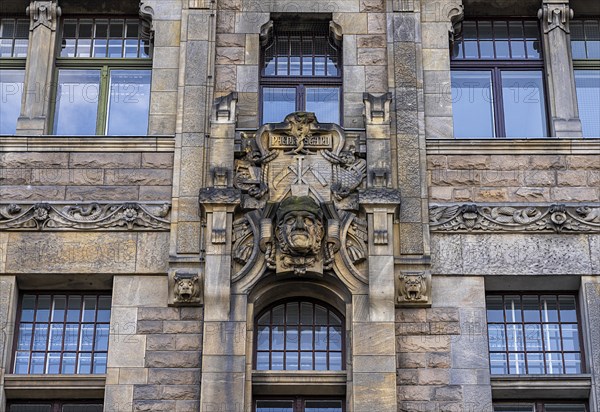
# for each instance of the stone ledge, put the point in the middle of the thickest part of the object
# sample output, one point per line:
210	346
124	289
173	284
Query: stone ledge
87	143
54	386
549	146
299	382
541	386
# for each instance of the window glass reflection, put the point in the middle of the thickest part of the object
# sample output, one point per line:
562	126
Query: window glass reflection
523	98
278	102
129	102
472	104
587	83
11	91
77	102
324	102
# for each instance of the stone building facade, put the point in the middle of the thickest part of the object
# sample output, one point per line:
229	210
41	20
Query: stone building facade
398	236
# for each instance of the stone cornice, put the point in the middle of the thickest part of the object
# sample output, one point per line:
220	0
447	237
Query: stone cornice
510	218
91	216
87	143
54	386
551	146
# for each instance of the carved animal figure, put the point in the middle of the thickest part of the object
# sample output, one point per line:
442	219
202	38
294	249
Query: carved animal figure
186	288
589	214
413	287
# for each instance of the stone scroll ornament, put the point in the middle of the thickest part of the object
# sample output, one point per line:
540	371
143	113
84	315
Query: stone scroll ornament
507	218
85	216
299	212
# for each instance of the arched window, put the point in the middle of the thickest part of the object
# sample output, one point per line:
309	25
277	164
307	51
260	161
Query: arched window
299	334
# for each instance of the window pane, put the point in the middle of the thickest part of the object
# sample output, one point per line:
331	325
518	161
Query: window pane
496	337
495	309
84	364
87	337
68	363
306	338
549	308
554	363
514	334
291	340
277	338
512	306
556	407
570	338
472	104
101	338
27	308
31	408
11	91
306	361
82	408
335	338
552	337
320	361
89	308
501	43
274	406
535	363
513	408
531	308
291	316
277	361
262	339
517	45
291	361
77	102
323	406
37	363
56	337
53	363
533	337
99	363
572	363
587	83
278	102
321	338
40	336
516	363
129	102
486	46
74	308
592	36
577	40
524	104
22	363
498	364
324	102
25	334
104	303
262	361
335	361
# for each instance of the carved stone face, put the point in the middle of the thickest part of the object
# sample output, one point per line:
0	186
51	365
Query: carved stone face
299	226
414	286
185	288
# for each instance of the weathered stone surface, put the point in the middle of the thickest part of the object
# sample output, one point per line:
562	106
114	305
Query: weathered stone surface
174	376
71	252
104	160
516	254
376	23
173	359
352	23
423	343
33	160
372	6
575	194
140	291
230	55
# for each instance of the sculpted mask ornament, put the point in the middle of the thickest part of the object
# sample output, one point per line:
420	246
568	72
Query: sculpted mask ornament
413	289
299	234
186	288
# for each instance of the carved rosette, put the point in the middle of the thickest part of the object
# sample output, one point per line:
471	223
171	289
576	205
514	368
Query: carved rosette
85	216
506	218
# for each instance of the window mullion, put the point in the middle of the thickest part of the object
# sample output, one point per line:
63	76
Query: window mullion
103	100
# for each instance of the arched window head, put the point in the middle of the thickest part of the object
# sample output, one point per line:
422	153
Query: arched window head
299	334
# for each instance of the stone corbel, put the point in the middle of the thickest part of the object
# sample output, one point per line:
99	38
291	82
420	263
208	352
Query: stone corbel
224	109
413	289
43	13
456	14
266	33
380	203
216	204
146	14
555	14
186	288
377	108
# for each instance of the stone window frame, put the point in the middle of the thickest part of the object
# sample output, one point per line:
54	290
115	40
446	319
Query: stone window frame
300	82
495	66
52	293
289	383
546	387
104	65
581	64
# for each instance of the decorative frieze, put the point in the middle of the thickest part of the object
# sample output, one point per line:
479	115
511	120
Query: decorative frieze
85	216
555	218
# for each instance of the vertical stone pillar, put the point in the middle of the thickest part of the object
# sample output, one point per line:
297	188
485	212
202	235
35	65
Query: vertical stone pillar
555	16
377	124
38	72
8	306
373	338
224	337
590	307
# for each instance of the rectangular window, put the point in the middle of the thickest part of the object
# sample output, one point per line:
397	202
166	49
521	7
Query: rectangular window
534	334
299	404
585	46
498	81
301	71
56	406
540	407
14	42
62	334
104	78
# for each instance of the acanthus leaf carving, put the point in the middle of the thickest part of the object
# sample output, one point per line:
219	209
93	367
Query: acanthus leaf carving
85	216
507	218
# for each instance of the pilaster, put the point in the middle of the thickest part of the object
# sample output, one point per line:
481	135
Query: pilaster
555	16
38	72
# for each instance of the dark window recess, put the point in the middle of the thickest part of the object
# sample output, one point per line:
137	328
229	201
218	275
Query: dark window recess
299	404
534	334
299	335
14	37
301	70
62	334
537	406
56	406
498	80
